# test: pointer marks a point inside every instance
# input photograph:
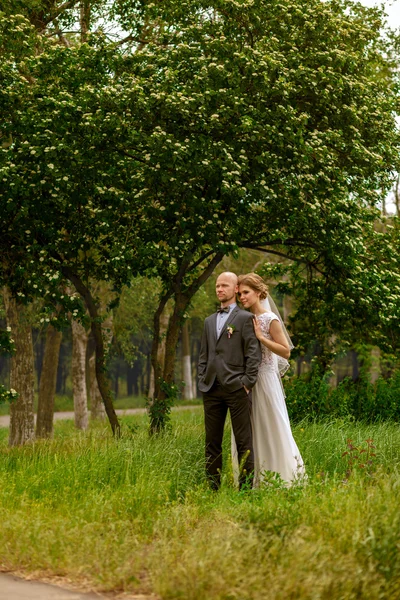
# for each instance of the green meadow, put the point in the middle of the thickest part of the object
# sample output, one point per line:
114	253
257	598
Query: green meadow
135	515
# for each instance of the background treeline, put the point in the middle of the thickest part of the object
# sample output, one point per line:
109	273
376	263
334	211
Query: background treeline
362	382
144	145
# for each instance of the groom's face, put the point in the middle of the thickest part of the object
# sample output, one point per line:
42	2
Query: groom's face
226	288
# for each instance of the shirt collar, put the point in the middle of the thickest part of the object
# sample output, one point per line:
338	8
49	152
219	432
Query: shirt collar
232	306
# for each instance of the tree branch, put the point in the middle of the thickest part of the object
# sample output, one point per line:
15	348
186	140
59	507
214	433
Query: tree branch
61	9
205	274
200	260
292	258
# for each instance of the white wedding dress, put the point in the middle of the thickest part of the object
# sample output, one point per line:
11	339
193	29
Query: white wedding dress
273	443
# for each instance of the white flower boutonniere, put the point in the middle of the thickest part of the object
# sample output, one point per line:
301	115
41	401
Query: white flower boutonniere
229	330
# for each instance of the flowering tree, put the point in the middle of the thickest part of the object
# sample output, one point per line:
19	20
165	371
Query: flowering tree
232	124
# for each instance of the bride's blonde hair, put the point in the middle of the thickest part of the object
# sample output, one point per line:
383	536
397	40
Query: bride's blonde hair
255	282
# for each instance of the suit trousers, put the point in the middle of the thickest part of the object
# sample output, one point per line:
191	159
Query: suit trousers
217	401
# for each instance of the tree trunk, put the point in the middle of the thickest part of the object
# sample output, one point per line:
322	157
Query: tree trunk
187	392
84	19
96	403
47	385
22	423
61	371
159	406
79	344
355	365
162	329
130	379
97	410
116	381
375	364
102	381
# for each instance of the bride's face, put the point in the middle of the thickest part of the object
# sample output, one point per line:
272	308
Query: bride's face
248	296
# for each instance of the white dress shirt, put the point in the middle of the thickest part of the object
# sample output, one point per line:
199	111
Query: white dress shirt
222	319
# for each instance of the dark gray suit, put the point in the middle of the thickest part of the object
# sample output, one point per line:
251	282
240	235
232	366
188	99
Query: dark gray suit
226	366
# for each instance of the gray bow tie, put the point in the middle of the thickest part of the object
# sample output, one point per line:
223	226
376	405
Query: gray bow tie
223	310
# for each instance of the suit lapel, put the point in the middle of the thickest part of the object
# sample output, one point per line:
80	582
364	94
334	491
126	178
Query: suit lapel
213	323
231	317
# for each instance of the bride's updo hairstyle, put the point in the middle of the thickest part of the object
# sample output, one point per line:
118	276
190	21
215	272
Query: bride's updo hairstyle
255	282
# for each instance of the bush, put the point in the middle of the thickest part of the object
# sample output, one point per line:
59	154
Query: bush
310	396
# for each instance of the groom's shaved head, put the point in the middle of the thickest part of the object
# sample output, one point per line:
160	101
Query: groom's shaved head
226	288
228	274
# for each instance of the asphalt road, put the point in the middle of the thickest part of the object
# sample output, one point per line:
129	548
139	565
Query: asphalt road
14	588
5	419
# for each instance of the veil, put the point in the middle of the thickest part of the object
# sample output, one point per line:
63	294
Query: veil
269	305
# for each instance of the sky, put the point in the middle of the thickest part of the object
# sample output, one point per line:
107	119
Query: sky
392	8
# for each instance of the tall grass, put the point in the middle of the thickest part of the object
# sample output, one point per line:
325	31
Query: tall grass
137	515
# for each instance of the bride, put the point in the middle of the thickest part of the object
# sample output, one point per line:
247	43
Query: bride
274	447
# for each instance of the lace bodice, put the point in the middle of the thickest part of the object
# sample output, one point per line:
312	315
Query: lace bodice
269	361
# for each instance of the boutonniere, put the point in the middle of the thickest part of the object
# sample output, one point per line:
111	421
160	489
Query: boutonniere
230	329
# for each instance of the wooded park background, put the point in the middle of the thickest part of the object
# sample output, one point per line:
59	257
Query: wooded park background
145	145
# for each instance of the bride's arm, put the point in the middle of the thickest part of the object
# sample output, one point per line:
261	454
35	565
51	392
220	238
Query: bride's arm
278	344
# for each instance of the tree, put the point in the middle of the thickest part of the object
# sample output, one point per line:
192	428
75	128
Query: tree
22	375
79	345
235	124
47	383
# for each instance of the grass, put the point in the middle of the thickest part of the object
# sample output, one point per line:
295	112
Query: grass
136	515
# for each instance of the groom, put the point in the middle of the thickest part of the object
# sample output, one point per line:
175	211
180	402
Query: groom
228	364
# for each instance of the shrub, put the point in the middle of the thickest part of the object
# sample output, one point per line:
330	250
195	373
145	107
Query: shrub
310	396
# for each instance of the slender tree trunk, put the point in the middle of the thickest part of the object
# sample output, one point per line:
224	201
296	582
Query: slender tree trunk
22	425
174	329
97	409
47	385
96	403
147	376
164	374
355	365
116	381
84	20
162	329
101	376
186	363
79	344
375	364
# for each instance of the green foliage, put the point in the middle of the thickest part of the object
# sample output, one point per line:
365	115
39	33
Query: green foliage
258	120
222	125
160	411
133	318
311	397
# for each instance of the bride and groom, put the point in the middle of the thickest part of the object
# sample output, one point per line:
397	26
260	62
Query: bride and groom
242	357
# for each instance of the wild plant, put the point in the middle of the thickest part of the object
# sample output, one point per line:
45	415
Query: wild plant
359	458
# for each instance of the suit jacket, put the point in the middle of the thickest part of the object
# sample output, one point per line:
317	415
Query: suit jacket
233	360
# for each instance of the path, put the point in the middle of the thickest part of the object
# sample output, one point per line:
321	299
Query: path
15	588
5	419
